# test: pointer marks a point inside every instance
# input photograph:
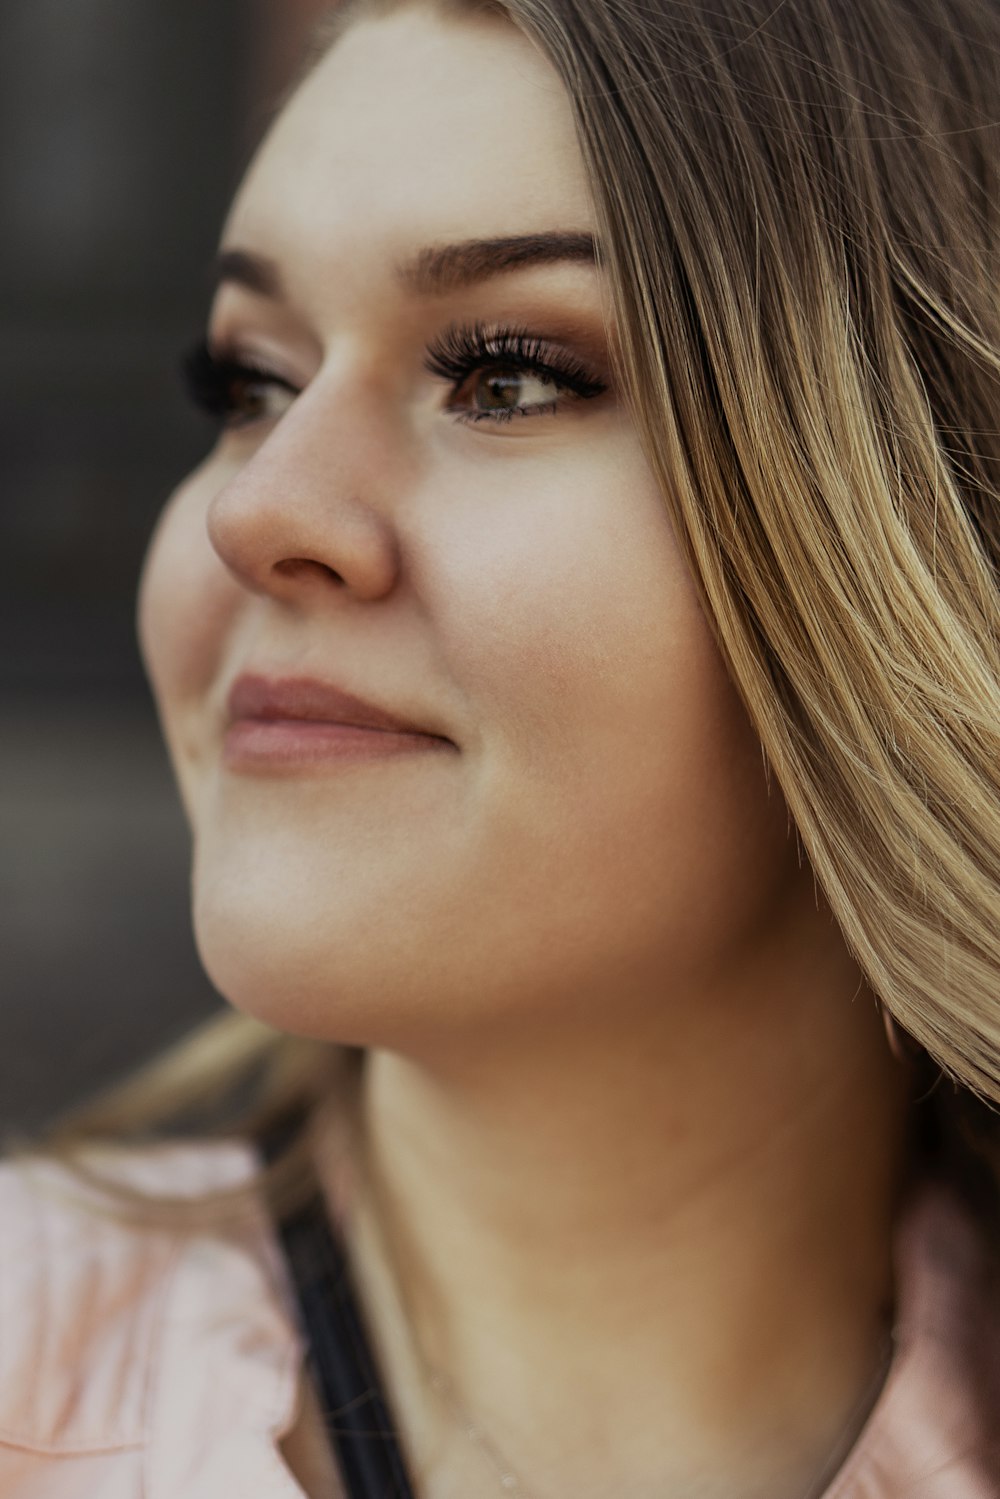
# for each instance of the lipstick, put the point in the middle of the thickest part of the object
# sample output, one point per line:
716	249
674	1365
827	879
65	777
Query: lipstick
290	722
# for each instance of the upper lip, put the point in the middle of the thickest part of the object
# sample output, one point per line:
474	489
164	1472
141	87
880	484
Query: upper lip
308	698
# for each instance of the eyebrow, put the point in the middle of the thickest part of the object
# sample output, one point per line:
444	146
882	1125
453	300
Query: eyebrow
446	268
435	269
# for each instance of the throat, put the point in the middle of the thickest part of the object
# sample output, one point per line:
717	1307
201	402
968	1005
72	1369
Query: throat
630	1288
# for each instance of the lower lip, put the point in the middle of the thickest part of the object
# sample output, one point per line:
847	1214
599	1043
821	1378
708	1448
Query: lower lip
259	743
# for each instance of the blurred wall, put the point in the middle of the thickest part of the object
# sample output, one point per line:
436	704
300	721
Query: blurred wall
124	127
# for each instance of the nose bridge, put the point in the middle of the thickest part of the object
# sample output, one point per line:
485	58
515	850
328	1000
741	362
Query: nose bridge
314	501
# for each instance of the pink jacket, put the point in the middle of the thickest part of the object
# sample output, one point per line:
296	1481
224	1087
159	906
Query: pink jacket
142	1364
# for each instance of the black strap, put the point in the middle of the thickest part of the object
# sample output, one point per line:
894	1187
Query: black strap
358	1418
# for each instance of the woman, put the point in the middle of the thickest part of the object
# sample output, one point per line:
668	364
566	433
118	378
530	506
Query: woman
578	657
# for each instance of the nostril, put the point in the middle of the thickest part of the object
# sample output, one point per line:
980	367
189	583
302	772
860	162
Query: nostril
298	567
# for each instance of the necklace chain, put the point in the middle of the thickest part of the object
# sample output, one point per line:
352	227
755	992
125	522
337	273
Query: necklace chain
511	1483
509	1480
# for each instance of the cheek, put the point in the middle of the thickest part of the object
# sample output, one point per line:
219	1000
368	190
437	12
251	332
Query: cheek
627	790
185	609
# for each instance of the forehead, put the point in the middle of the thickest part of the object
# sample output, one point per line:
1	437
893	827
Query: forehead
414	128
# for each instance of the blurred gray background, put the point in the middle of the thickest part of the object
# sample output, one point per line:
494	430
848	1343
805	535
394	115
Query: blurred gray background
124	128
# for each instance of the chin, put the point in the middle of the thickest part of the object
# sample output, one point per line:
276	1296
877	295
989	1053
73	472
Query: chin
310	970
281	991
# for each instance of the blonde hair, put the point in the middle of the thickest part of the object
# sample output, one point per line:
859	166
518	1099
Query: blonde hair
799	215
801	221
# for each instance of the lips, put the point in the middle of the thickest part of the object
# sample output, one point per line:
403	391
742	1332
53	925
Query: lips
309	700
286	725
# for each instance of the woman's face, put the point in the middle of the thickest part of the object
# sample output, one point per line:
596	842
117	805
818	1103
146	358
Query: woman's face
407	506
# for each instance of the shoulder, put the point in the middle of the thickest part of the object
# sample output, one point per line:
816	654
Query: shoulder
112	1330
935	1430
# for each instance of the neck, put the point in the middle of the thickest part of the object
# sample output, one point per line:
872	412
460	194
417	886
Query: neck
653	1256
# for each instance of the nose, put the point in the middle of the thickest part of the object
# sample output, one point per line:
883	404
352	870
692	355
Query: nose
309	512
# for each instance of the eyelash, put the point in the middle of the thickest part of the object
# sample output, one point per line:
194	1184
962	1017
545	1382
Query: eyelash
468	349
212	379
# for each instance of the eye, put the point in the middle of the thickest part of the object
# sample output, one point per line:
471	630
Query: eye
500	392
232	389
508	373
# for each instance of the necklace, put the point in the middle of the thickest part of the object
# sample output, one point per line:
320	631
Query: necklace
511	1482
443	1387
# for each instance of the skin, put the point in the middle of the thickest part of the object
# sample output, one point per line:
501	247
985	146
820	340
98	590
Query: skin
632	1135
